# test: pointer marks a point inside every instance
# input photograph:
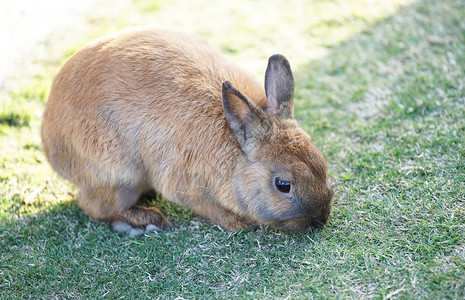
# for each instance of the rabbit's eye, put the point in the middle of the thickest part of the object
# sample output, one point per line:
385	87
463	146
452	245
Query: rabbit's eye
282	185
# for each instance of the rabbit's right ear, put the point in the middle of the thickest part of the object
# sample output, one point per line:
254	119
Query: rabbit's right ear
279	87
246	119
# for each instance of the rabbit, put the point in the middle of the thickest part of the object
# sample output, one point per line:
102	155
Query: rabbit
151	109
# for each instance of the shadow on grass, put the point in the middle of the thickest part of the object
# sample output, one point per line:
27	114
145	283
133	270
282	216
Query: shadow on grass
61	252
361	95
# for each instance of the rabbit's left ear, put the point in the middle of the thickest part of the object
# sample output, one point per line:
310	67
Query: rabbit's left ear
246	119
279	87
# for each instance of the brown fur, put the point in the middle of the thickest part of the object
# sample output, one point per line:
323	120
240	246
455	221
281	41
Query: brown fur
143	109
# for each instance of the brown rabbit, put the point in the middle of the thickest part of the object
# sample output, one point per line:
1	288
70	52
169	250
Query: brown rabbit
153	109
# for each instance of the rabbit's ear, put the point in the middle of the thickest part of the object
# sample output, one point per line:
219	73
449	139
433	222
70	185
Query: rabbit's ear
246	119
279	87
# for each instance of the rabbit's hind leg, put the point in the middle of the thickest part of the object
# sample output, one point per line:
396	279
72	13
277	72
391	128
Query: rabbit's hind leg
137	220
117	205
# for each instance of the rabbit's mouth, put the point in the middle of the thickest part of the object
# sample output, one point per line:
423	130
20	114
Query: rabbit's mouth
302	223
298	218
307	217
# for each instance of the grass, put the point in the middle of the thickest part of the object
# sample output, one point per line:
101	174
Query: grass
381	89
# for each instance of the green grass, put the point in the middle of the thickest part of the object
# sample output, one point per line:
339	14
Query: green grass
380	86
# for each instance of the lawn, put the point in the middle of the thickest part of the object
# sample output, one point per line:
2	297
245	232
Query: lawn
380	87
